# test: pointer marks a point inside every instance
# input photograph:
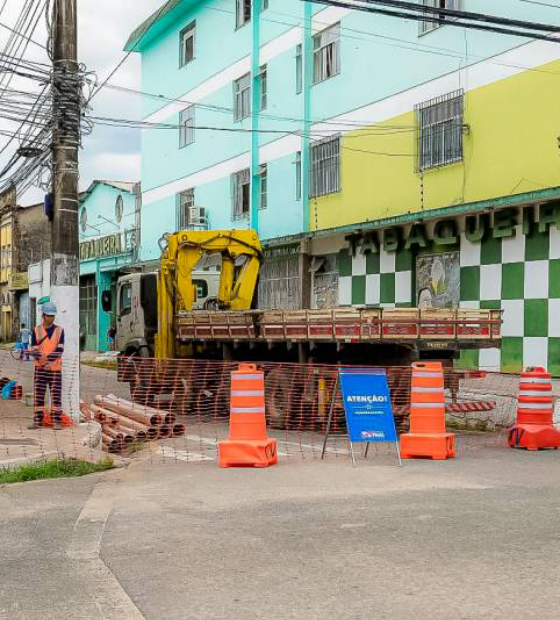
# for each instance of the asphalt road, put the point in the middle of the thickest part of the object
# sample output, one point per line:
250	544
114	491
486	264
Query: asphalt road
478	537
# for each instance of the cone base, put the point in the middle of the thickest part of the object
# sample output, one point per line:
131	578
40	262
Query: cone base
533	436
436	446
247	453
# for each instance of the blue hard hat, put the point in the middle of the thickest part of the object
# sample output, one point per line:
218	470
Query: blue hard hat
49	309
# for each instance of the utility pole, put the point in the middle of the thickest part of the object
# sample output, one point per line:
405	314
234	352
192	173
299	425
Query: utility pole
65	266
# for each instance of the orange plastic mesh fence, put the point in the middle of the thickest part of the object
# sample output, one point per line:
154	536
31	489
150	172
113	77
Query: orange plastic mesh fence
196	393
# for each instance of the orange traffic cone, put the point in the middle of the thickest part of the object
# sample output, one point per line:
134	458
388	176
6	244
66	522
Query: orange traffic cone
535	410
428	436
248	444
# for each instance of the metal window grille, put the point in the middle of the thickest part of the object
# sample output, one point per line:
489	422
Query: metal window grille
299	177
241	194
325	167
242	97
188	44
299	69
185	200
440	131
279	284
242	12
326	54
186	124
454	5
88	306
263	193
264	87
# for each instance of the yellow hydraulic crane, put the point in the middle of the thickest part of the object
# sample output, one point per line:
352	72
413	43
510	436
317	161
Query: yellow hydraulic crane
177	293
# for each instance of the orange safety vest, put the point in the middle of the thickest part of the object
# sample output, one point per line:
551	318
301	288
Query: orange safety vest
47	346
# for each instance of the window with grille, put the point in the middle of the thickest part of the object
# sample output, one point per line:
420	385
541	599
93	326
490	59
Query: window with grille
299	69
264	87
299	177
241	194
263	194
440	131
326	54
188	44
242	97
325	167
454	5
186	127
185	201
243	11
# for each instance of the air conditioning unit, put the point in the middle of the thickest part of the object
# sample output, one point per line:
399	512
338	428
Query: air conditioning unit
197	218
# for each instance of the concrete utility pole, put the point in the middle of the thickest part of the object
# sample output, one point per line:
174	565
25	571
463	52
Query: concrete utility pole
64	268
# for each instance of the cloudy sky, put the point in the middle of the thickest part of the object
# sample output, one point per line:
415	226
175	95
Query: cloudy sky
104	26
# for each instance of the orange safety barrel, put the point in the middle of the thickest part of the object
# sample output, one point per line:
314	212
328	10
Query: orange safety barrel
428	437
535	402
427	398
534	429
247	407
248	444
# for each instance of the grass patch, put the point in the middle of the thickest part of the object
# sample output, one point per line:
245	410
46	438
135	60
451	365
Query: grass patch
53	469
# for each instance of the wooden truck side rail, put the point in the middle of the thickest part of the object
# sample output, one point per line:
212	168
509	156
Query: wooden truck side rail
348	325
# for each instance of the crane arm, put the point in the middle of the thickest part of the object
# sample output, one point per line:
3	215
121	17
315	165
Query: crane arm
177	293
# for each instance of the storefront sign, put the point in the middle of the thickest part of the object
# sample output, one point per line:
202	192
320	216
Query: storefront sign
500	224
284	251
19	281
102	247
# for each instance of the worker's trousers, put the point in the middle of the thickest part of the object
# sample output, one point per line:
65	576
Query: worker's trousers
51	379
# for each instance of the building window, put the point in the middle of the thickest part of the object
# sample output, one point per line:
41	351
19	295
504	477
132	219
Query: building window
299	177
243	11
186	127
264	87
83	219
242	97
325	167
440	131
119	209
185	202
241	194
454	5
263	194
188	44
299	69
326	54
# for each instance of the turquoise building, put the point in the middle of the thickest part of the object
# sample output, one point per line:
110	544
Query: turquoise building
109	216
336	133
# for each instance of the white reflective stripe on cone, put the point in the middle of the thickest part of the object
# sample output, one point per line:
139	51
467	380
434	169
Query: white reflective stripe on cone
426	390
247	410
543	394
535	406
247	393
426	405
246	377
425	374
535	380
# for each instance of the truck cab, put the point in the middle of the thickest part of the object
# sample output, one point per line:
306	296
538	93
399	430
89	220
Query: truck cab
137	308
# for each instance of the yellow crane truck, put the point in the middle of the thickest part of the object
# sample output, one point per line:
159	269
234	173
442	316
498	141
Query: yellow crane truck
156	317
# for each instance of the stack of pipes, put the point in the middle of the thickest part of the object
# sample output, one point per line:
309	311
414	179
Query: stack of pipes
124	423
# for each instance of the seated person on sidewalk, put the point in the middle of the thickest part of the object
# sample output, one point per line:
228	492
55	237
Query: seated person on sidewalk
47	347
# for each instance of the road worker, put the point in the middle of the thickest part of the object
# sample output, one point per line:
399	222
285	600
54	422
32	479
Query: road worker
47	347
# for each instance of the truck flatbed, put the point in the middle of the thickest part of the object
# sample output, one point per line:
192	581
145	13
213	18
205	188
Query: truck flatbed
423	329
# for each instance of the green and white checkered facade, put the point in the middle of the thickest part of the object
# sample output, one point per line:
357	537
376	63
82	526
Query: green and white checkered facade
519	274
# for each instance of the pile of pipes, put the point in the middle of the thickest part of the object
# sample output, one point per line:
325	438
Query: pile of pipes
125	423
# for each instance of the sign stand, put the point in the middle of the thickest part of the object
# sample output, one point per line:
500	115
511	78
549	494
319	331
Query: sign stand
368	412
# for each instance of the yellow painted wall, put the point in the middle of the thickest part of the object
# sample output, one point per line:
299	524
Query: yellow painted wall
512	148
5	252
